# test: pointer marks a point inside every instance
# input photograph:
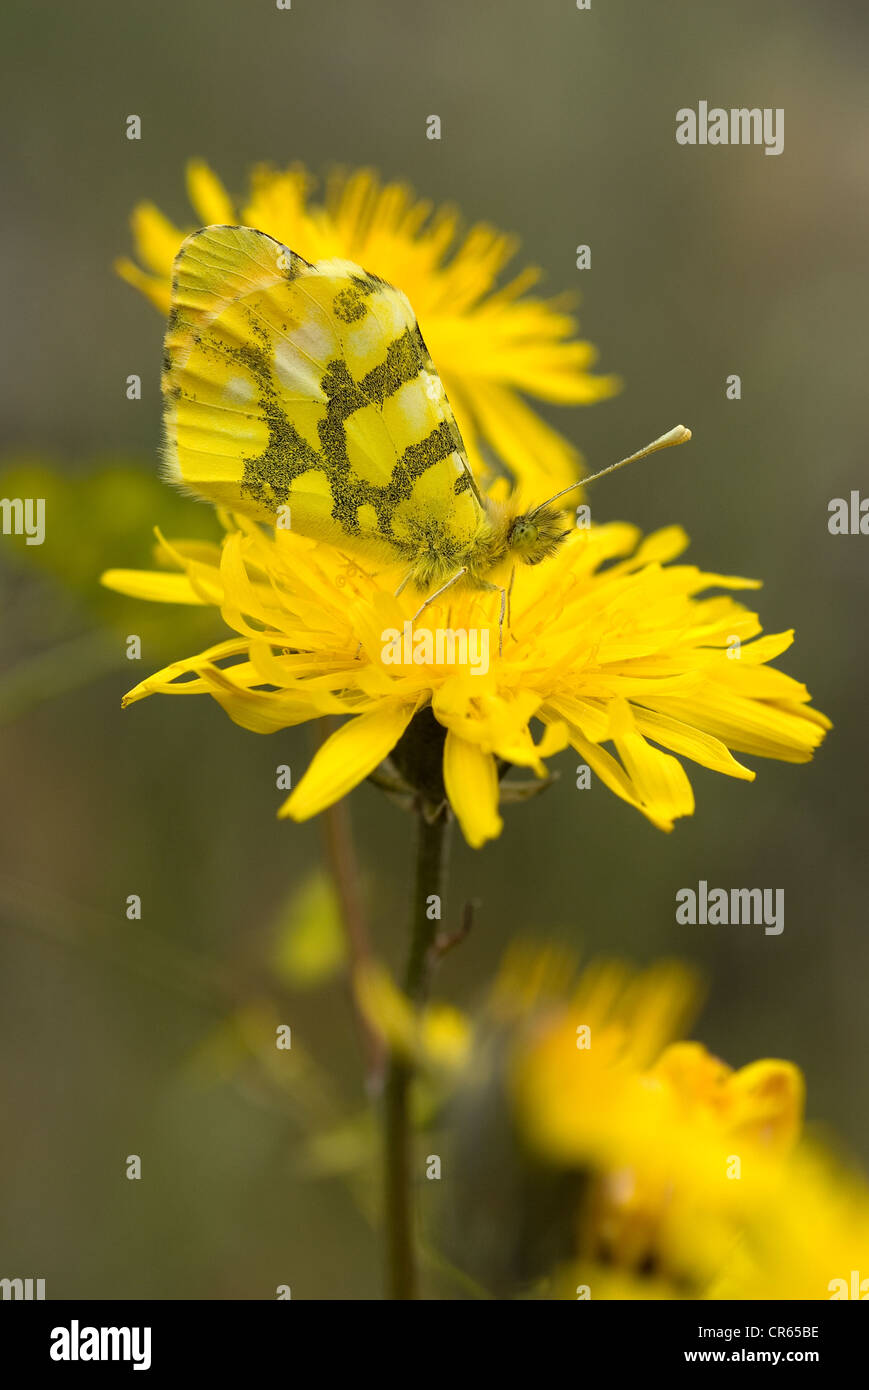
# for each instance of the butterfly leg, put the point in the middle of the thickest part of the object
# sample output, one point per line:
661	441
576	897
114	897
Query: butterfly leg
510	603
404	583
505	603
431	598
496	589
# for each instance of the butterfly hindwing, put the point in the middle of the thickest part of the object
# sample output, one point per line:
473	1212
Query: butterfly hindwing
310	386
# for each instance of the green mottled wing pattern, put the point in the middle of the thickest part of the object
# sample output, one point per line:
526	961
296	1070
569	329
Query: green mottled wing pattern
310	387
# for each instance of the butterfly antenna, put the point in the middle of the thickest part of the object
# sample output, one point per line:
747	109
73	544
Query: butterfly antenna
679	435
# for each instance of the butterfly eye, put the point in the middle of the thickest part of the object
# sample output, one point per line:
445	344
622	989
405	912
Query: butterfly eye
524	534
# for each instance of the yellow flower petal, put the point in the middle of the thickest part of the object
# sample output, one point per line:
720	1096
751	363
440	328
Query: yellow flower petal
154	288
690	743
151	584
660	781
346	759
471	781
748	726
209	198
157	239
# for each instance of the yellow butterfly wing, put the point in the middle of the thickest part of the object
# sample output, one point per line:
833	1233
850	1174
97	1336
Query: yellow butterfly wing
310	387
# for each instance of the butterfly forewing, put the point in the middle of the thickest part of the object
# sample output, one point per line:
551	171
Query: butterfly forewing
309	387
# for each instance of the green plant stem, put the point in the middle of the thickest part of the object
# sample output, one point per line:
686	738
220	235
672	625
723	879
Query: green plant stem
340	851
401	1283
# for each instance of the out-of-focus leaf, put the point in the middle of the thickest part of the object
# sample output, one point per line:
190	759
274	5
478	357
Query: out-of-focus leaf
310	944
61	628
343	1149
97	519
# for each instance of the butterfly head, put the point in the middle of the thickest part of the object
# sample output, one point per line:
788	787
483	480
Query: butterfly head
537	534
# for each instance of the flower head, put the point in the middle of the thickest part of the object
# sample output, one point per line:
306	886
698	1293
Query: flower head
637	1164
608	643
493	344
681	1152
700	1181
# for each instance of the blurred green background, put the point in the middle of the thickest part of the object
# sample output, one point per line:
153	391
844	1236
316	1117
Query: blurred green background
121	1037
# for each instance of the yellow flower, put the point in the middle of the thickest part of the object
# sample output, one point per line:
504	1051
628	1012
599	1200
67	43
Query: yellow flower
492	345
608	642
699	1182
813	1240
436	1037
684	1153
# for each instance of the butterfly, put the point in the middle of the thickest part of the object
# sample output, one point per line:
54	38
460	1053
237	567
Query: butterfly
304	395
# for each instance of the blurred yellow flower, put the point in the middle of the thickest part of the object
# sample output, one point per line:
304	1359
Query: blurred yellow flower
813	1241
685	1152
493	346
699	1183
437	1036
608	642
